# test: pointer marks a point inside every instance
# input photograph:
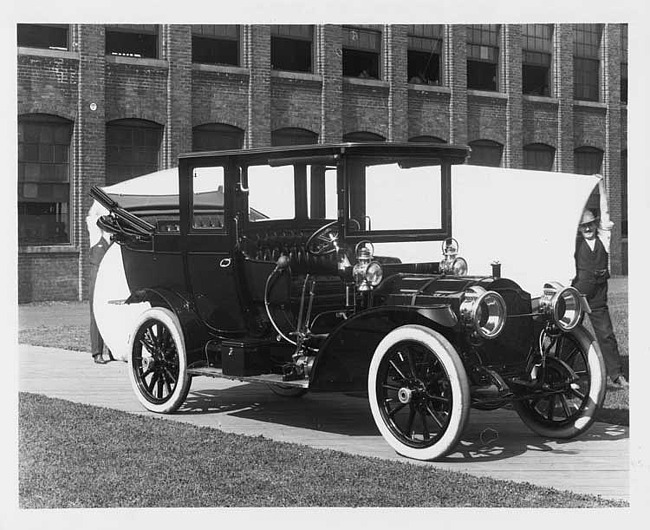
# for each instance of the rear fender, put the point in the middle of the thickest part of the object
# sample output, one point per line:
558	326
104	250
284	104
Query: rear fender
194	330
344	358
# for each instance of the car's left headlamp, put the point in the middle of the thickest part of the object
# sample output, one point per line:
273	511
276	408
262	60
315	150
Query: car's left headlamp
562	305
484	312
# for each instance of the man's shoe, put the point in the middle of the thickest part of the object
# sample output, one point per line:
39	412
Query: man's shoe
99	359
621	382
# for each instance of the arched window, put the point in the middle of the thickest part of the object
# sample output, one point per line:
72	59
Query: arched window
132	149
363	136
485	153
589	161
216	137
539	156
43	179
428	139
293	136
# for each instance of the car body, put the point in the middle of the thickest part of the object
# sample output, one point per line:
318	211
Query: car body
286	266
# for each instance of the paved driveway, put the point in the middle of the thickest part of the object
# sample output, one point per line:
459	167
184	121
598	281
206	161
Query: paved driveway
495	444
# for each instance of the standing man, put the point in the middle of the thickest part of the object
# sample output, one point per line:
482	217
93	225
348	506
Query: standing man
592	272
98	246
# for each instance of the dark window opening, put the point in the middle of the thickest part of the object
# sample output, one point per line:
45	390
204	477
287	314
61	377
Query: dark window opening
43	180
537	44
589	161
293	136
217	137
423	68
363	136
539	157
215	44
536	80
361	52
427	139
47	36
132	149
291	48
624	62
485	153
481	75
132	40
623	82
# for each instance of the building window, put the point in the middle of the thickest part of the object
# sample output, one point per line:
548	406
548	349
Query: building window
586	61
427	139
483	56
217	137
363	136
132	149
485	153
293	136
43	179
291	48
132	40
47	36
539	156
589	161
361	51
536	59
424	54
624	46
215	44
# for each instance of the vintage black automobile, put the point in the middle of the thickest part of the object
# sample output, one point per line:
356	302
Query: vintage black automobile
286	266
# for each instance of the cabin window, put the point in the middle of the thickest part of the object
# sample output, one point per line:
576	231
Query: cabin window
208	198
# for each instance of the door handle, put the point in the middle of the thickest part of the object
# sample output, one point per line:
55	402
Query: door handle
225	263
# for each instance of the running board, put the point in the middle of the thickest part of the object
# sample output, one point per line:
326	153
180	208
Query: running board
270	379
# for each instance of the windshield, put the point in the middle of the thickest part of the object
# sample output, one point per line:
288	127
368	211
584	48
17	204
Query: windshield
292	192
388	197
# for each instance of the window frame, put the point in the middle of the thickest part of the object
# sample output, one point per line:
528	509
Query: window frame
483	48
425	39
65	127
219	34
587	50
141	30
372	53
282	32
51	27
134	126
537	56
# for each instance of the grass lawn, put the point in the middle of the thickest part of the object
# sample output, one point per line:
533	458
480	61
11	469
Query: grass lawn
69	458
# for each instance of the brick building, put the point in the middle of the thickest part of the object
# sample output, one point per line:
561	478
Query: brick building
98	104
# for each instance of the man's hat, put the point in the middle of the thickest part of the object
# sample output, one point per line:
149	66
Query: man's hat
588	217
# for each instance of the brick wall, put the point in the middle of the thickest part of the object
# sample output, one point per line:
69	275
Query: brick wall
173	92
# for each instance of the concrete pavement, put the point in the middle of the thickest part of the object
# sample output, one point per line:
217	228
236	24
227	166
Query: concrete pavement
495	444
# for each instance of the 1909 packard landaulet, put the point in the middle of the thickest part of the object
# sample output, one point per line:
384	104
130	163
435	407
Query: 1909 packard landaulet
334	268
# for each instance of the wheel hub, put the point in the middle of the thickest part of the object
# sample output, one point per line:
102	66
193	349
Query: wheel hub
405	395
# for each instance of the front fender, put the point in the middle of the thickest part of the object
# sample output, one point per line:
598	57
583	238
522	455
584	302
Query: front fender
344	358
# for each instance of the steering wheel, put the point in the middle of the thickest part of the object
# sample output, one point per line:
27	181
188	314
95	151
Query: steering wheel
324	240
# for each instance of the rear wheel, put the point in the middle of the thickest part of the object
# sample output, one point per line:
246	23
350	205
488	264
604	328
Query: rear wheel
158	362
575	381
419	393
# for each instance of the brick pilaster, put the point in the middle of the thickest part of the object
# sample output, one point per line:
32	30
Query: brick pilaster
563	91
330	67
258	60
512	86
178	130
455	77
611	68
89	133
395	66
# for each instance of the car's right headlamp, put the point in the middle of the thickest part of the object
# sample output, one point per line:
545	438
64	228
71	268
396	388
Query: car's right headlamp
483	312
561	305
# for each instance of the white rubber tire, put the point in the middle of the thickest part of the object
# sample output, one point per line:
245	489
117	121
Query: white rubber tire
177	397
461	399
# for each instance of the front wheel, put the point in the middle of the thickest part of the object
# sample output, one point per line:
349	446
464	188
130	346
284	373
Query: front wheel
419	393
158	362
575	384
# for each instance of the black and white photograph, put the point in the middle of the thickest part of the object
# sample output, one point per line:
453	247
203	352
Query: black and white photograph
346	263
